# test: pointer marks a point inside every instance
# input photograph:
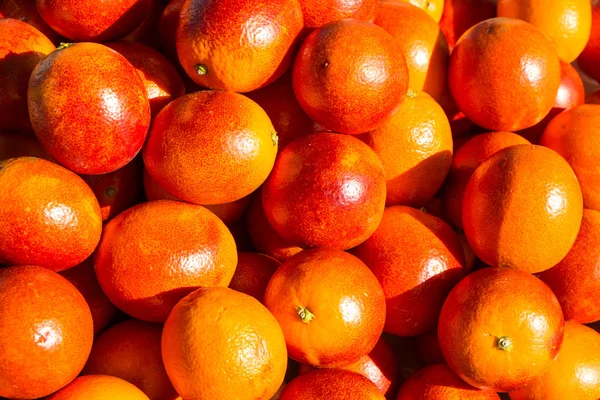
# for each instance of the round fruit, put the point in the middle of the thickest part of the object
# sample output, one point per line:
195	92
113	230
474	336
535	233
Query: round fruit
13	145
567	23
252	275
89	108
330	306
465	161
423	45
228	339
46	332
590	57
319	12
504	74
167	29
574	374
49	216
147	32
433	7
89	21
131	351
22	47
573	135
83	277
326	190
153	254
571	279
350	76
26	11
331	384
226	157
235	45
522	209
99	387
438	382
161	79
415	148
459	15
500	328
417	259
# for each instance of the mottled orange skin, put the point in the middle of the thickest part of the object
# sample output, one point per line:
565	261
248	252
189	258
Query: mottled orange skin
226	157
571	93
500	328
22	47
155	253
590	56
331	384
88	21
504	74
417	259
117	190
573	280
438	382
280	104
131	351
380	366
46	332
320	12
99	387
573	135
96	120
167	29
263	236
343	295
574	374
226	339
522	209
83	277
350	76
433	7
415	148
428	348
423	45
26	11
163	83
13	145
49	216
326	190
459	15
253	272
465	161
242	45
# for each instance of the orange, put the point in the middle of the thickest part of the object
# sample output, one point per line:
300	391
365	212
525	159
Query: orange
567	23
433	7
131	351
85	20
83	277
252	274
380	366
572	279
330	306
415	148
49	216
438	382
331	384
522	208
13	145
459	15
417	259
26	11
236	45
167	29
223	159
46	332
500	329
572	135
575	372
423	45
222	344
318	12
590	56
326	190
99	387
504	74
350	76
465	161
154	254
428	348
95	121
161	79
21	47
147	32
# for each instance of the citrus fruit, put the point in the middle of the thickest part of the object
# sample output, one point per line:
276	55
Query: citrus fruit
428	348
433	7
590	56
331	384
459	15
26	11
318	12
99	387
252	274
167	29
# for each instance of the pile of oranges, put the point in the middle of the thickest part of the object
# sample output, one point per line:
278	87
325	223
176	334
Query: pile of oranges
300	199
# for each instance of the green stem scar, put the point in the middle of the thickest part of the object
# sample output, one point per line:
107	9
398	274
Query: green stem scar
110	192
504	343
305	315
201	69
64	46
274	138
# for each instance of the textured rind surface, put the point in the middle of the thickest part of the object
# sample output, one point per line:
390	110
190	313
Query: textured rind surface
99	387
332	384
